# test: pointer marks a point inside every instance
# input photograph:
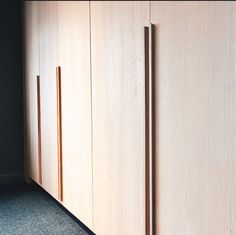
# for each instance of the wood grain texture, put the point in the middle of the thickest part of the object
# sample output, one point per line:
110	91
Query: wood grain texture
118	85
74	59
39	131
196	102
31	62
48	49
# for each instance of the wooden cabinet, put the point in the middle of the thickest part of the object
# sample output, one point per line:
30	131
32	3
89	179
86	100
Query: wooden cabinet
31	71
118	78
99	46
74	59
195	67
48	60
58	34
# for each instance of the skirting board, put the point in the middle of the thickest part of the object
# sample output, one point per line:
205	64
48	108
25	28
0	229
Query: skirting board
11	178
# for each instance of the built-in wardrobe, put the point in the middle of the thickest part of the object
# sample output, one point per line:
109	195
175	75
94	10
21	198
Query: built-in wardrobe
130	116
58	89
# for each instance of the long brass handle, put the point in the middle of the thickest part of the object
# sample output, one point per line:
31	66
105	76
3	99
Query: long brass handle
147	132
59	134
152	115
150	165
39	131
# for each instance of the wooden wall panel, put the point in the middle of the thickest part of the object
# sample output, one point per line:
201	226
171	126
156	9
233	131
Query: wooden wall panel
74	59
197	121
117	33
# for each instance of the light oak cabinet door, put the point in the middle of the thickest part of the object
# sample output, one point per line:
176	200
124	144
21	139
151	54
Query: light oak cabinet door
31	70
196	104
48	51
117	47
74	59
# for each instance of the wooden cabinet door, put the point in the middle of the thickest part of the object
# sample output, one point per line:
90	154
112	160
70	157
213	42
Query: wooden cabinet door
74	59
31	70
48	50
195	50
117	48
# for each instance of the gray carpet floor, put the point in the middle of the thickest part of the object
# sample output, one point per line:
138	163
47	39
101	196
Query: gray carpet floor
27	210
